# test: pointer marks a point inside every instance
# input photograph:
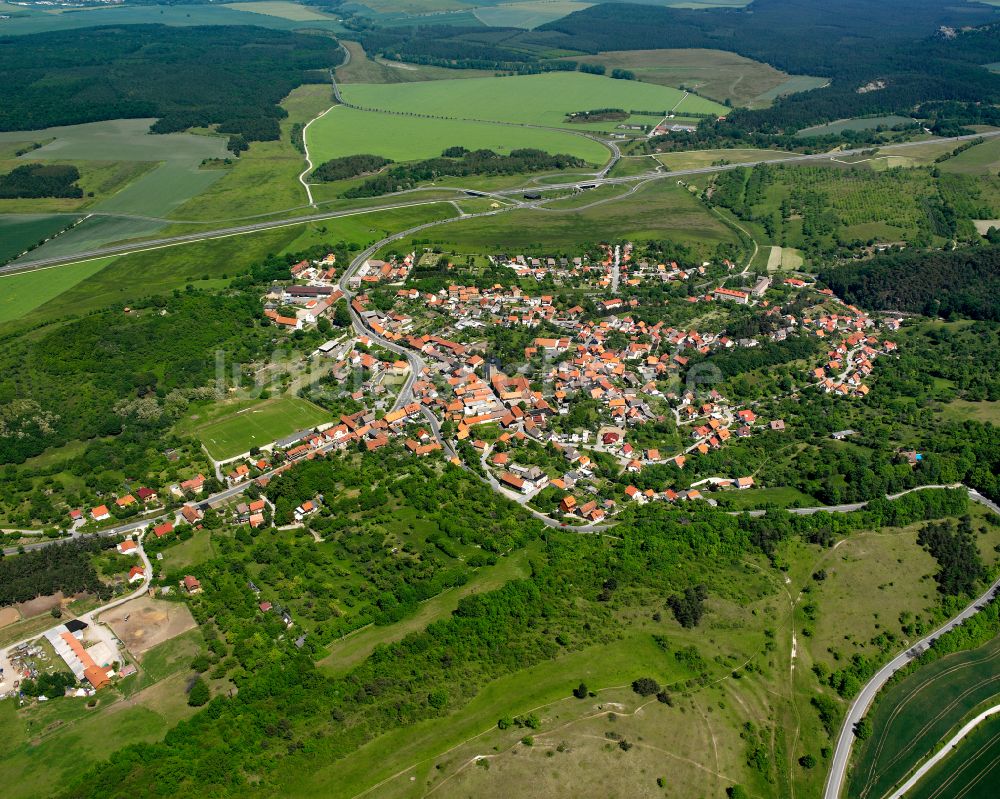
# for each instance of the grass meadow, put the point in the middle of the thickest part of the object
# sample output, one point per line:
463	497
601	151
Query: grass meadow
22	292
543	99
861	123
347	131
259	425
361	69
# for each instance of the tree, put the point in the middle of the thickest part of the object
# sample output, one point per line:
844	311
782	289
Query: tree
580	692
645	686
198	694
863	729
807	761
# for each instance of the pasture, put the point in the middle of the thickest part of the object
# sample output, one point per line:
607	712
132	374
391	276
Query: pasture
716	74
346	131
920	711
258	425
972	771
528	99
22	292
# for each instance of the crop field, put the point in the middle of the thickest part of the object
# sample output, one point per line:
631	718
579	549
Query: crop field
971	771
529	14
98	180
282	9
18	233
717	74
863	123
38	21
919	712
346	131
21	293
654	211
96	232
528	99
259	425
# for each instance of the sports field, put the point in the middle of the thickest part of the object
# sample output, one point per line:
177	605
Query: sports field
346	131
972	771
528	99
712	73
259	425
919	712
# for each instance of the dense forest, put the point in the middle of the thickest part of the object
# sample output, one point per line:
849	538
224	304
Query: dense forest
963	282
233	77
59	567
41	180
461	163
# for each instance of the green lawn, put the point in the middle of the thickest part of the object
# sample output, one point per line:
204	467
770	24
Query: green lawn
259	425
195	550
530	99
346	131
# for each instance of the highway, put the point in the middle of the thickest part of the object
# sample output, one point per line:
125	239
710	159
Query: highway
600	180
842	754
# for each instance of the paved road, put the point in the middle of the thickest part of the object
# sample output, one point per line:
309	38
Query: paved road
860	705
189	238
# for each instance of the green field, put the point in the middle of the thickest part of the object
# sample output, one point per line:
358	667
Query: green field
529	99
862	123
18	233
657	210
982	159
716	74
38	20
921	711
693	159
23	292
346	131
972	771
259	425
984	411
197	549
